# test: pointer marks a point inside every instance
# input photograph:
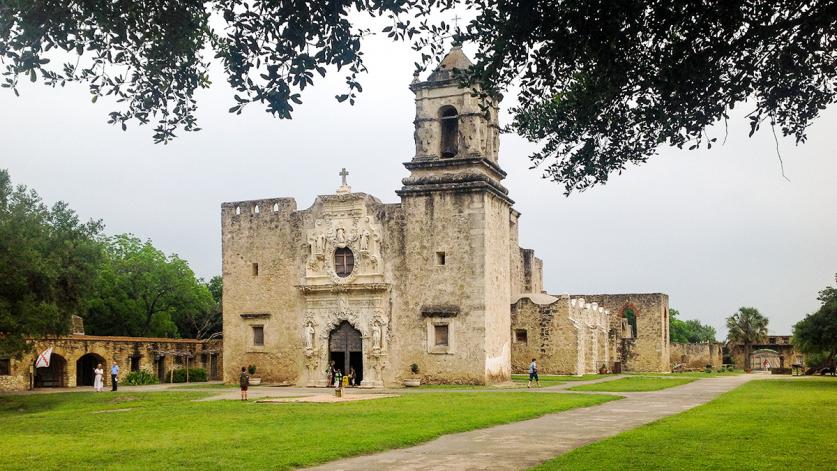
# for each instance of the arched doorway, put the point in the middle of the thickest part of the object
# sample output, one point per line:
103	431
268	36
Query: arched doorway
85	366
345	349
55	376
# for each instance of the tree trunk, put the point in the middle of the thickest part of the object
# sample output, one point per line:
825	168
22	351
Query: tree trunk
747	348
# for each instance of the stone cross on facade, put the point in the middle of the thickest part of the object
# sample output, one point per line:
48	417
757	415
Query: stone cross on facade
344	187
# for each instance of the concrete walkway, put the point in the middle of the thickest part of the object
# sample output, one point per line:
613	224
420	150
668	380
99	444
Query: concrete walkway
521	445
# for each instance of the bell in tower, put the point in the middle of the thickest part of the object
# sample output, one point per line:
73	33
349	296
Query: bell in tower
457	135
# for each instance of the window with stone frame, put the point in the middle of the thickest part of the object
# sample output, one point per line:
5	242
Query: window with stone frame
440	335
258	335
344	262
5	367
521	336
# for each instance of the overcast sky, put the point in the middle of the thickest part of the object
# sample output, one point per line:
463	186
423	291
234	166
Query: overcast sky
714	230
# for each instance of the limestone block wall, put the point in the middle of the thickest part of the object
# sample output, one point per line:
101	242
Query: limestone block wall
649	350
429	293
69	355
785	354
496	289
697	355
262	260
550	336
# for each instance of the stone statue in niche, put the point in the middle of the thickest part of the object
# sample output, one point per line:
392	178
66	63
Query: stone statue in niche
342	303
310	334
376	336
321	242
341	235
364	241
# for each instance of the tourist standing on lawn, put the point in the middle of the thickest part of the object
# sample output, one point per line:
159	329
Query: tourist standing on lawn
114	376
533	374
352	376
244	382
98	381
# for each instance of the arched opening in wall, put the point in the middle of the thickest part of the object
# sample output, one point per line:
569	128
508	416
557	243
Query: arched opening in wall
449	118
629	314
275	207
161	368
85	366
256	209
238	210
345	349
54	376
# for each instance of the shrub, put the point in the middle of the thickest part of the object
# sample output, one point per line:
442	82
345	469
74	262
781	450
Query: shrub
141	377
196	375
251	369
414	368
708	368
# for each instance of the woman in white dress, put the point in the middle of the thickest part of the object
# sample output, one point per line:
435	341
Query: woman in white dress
97	383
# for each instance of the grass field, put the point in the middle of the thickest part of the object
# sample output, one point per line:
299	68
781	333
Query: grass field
634	384
167	430
552	380
692	374
770	424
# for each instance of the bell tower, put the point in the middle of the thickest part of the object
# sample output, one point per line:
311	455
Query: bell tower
457	135
457	218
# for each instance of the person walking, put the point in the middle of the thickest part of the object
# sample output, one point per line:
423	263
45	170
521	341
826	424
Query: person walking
533	374
244	382
114	376
98	381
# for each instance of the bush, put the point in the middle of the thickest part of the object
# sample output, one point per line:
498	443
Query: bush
141	377
708	368
196	375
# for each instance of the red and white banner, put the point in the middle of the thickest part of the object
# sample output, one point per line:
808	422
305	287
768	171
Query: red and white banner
43	359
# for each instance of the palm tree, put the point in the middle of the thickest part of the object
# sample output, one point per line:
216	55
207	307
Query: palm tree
747	326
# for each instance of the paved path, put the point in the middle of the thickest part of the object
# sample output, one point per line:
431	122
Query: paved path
521	445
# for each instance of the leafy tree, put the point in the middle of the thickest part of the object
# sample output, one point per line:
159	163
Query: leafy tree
143	292
600	84
691	331
746	327
47	266
203	323
816	335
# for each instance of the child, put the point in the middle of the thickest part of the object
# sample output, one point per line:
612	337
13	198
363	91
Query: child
244	382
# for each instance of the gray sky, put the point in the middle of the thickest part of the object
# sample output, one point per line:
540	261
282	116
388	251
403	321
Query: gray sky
714	229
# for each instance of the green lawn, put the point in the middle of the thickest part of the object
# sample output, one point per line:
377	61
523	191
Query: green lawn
167	430
770	424
206	386
634	384
557	378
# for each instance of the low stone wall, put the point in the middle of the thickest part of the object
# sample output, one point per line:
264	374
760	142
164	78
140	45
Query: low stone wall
696	355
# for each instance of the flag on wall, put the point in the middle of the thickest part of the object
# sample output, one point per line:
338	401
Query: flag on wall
43	358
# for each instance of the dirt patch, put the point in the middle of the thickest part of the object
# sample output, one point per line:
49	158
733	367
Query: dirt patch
327	398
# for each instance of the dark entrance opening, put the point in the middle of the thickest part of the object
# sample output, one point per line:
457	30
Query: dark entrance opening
85	366
161	369
53	377
345	346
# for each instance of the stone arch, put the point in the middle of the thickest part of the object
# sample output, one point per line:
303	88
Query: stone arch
449	124
55	376
631	313
85	366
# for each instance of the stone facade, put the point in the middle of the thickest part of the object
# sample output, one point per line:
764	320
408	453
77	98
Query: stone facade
566	335
74	357
379	287
697	355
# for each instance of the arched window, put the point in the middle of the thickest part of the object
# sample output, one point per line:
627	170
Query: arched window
344	262
630	315
449	118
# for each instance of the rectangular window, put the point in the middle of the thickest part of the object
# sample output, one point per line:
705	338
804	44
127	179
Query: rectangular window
5	367
440	258
441	335
520	336
255	269
258	335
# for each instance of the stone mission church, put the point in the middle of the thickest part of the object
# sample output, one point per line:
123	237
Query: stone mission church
437	280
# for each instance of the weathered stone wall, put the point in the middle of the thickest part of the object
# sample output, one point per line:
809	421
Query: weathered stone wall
697	355
786	354
268	233
649	349
150	354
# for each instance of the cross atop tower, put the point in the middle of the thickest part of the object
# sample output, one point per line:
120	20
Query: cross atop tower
344	187
456	21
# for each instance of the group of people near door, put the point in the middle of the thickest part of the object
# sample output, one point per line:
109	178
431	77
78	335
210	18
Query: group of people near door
338	379
98	379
